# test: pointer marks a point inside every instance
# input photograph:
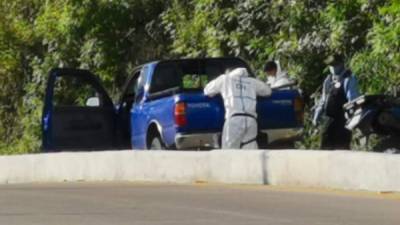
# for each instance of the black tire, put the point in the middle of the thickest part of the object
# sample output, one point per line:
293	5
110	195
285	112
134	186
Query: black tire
262	141
288	144
387	143
154	142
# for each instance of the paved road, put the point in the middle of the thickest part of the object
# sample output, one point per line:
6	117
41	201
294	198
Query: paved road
148	204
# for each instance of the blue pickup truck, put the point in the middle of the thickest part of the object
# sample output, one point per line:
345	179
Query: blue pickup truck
162	106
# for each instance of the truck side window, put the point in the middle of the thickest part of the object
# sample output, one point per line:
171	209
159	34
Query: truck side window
140	84
166	76
130	92
73	91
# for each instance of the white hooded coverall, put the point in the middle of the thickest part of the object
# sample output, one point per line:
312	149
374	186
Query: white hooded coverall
239	93
280	79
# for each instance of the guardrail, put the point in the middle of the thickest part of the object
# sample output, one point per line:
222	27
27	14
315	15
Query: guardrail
327	169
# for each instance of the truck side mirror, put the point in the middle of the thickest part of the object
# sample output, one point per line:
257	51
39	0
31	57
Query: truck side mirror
93	102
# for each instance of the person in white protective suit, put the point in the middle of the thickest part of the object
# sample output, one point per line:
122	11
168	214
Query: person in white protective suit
239	93
276	77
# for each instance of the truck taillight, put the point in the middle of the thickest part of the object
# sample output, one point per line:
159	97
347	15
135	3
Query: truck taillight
299	109
180	114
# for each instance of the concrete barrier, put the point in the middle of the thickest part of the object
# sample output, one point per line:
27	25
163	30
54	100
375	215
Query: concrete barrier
328	169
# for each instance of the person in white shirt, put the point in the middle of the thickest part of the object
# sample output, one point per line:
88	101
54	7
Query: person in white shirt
239	93
276	77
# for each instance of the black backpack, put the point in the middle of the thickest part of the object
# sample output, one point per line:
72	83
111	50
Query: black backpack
336	98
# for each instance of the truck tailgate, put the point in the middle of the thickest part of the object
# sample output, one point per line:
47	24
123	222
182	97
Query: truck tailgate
203	114
278	111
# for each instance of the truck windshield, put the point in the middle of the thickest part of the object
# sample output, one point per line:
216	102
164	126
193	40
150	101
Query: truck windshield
191	74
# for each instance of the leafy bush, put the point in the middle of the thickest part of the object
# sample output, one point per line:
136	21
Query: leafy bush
111	37
298	33
107	37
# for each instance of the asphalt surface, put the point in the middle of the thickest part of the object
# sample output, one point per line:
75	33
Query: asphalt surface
147	204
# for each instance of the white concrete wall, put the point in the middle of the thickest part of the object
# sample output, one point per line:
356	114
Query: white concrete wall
335	169
329	169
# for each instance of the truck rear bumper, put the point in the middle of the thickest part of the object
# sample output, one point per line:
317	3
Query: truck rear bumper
197	141
212	140
286	134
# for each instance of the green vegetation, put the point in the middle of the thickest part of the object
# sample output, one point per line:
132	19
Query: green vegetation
107	37
111	37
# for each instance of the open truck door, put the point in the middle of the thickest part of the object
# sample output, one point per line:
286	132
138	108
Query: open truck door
78	113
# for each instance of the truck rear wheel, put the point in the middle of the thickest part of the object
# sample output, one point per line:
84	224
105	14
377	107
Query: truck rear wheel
155	143
262	140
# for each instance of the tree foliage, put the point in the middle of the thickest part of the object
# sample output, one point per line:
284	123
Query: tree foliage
110	37
300	34
107	37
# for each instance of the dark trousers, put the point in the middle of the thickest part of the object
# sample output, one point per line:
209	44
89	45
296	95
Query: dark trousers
335	135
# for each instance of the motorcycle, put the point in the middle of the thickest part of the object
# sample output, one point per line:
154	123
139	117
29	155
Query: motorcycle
376	114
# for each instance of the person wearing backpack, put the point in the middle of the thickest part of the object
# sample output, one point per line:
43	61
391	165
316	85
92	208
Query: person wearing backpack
339	87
